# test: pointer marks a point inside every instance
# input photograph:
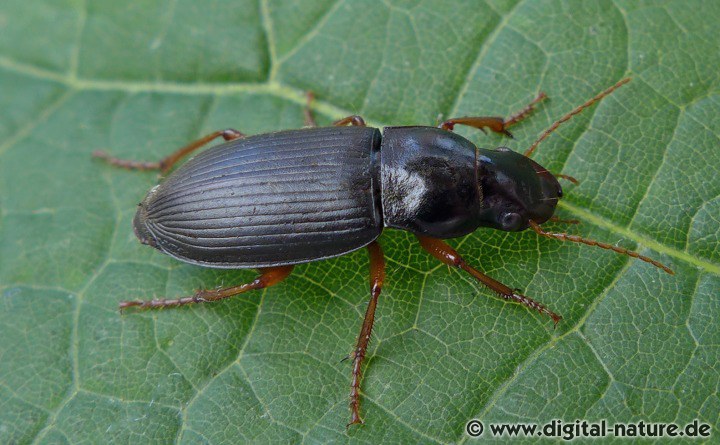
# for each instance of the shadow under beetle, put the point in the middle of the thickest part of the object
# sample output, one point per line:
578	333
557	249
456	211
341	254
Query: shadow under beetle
274	200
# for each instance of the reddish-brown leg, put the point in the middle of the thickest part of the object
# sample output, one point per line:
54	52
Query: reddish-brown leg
443	252
166	163
268	277
377	276
354	120
494	123
307	111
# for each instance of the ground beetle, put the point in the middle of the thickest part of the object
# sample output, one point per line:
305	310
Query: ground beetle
274	200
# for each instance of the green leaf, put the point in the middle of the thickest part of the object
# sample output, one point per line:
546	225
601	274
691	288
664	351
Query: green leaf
141	78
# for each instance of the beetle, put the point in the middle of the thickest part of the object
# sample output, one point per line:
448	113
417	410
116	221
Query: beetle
271	201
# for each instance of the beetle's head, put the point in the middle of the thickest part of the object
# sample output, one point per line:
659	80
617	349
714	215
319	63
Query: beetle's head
515	190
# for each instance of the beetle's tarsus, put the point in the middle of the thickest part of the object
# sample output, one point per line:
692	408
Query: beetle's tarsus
355	421
525	112
556	321
167	162
377	276
126	304
528	302
268	277
443	252
494	123
127	164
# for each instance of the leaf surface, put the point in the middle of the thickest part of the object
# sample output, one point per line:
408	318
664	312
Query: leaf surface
141	78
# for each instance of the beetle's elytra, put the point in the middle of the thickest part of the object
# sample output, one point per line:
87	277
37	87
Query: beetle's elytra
274	200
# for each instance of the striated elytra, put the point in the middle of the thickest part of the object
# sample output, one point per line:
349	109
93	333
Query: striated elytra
268	200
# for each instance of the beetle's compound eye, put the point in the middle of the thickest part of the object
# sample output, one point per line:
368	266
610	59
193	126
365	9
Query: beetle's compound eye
511	221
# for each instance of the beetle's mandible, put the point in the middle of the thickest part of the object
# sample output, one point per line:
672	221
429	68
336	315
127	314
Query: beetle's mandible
272	201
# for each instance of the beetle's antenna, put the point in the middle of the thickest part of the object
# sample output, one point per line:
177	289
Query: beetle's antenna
568	177
576	239
564	221
577	110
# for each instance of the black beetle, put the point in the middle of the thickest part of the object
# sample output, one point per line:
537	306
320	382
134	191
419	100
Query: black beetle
274	200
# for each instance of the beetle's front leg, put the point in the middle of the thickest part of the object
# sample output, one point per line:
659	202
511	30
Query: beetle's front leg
166	163
494	123
268	277
443	252
377	276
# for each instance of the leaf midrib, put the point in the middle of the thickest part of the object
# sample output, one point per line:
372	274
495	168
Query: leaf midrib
295	95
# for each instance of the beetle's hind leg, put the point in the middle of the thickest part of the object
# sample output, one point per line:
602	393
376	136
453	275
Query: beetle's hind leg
494	123
377	276
268	277
354	120
166	163
307	111
443	252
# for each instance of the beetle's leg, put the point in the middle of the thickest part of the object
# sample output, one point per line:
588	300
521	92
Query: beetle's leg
166	163
494	123
443	252
307	111
377	276
268	277
354	120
